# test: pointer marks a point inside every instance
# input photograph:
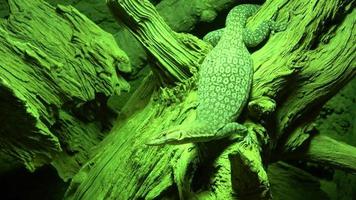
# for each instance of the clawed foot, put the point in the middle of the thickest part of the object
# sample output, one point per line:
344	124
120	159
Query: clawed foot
248	142
278	26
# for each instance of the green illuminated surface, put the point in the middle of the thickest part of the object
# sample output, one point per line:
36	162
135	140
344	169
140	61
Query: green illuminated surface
60	67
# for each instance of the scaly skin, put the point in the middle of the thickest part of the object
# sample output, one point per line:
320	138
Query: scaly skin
225	79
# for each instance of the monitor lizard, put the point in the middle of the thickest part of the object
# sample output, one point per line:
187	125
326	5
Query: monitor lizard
225	79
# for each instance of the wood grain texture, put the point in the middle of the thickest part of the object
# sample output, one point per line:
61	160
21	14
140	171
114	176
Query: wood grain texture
54	63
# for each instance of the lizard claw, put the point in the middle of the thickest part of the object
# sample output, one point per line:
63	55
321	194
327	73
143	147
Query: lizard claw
278	26
247	142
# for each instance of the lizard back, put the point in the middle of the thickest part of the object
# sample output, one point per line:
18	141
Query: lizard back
225	75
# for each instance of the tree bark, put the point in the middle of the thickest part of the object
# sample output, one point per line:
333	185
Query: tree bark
53	84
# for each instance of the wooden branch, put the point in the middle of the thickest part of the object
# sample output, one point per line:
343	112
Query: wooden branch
248	178
50	71
179	17
327	151
314	63
289	182
183	18
326	68
123	156
177	55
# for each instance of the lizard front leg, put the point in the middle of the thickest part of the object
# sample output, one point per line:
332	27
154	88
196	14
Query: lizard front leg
213	37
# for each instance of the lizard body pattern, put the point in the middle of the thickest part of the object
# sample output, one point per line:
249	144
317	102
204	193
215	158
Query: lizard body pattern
225	79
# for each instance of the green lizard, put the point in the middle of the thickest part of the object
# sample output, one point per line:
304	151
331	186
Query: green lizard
225	80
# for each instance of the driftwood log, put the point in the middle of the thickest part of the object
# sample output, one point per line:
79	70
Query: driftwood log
57	71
